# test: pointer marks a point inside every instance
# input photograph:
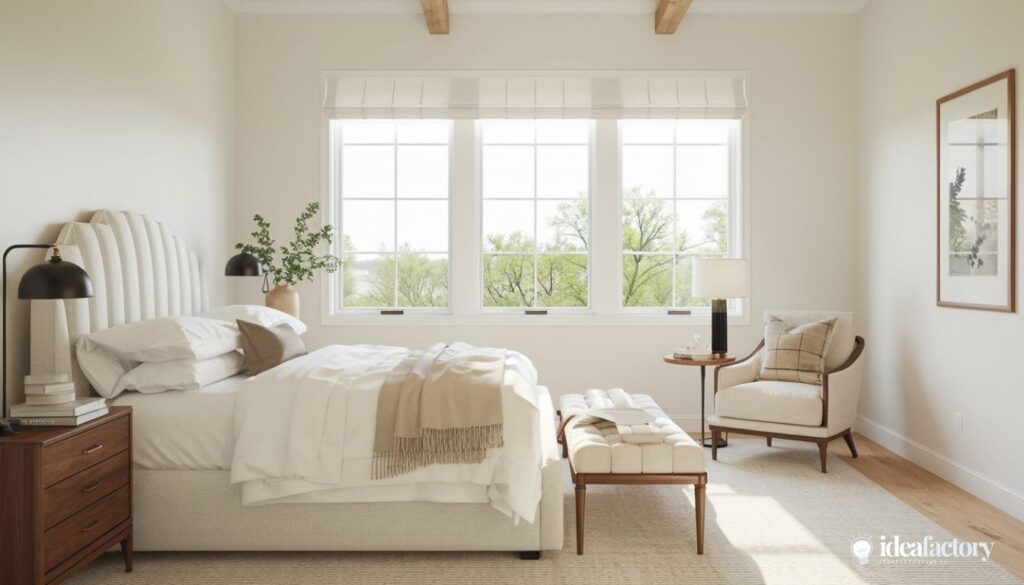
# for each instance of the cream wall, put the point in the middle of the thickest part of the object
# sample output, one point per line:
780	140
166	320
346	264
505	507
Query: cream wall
801	157
122	104
927	363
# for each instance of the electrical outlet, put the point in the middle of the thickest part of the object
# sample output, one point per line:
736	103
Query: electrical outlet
960	423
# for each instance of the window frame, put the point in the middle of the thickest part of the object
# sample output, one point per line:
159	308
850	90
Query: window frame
478	195
465	261
737	213
335	163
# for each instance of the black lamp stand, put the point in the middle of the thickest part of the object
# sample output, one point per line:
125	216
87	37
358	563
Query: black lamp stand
719	328
5	426
53	279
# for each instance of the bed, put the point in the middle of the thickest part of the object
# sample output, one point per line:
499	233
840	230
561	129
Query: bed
183	445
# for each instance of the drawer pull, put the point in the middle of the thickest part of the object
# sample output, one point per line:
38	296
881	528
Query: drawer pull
91	525
90	488
93	449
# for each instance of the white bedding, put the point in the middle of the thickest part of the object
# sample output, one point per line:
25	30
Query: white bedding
306	427
184	429
195	430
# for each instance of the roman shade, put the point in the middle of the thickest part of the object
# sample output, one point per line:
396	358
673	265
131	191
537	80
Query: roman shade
599	95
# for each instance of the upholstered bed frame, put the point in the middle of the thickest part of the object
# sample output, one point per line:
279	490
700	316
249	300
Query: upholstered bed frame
140	270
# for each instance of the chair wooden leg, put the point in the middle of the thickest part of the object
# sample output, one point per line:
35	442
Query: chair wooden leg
581	504
822	454
698	506
714	444
849	443
769	440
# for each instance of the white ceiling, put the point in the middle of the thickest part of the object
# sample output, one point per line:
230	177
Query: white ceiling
543	6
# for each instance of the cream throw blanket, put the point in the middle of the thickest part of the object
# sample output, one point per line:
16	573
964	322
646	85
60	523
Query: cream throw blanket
442	405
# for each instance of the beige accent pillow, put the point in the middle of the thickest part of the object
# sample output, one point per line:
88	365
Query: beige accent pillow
796	353
266	347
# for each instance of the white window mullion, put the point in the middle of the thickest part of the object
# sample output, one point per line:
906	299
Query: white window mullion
605	220
465	256
394	138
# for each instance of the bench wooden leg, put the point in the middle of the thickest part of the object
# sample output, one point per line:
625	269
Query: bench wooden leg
823	454
714	444
581	504
769	439
698	506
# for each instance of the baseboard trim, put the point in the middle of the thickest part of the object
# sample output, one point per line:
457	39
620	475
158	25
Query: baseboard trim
970	480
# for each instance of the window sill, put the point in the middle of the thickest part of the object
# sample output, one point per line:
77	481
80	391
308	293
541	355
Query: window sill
520	320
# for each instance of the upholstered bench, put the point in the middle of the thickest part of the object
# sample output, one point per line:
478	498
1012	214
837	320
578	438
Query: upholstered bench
598	454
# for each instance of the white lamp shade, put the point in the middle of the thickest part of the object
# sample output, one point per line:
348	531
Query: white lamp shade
721	278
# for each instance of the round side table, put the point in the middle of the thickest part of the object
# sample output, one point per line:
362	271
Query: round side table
703	363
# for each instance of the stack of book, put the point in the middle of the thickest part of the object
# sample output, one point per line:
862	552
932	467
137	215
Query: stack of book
50	401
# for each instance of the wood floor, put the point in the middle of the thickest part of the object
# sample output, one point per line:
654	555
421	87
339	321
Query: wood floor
963	515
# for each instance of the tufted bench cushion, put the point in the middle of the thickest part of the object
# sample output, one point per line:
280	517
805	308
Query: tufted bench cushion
598	448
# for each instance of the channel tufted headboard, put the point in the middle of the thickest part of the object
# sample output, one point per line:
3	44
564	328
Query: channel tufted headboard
139	271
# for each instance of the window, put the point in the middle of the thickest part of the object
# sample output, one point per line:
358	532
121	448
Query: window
391	184
679	200
535	191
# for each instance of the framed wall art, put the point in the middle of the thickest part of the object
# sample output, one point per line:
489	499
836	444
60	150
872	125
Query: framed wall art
976	190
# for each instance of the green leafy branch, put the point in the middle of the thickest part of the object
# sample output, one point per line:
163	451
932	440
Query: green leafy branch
301	258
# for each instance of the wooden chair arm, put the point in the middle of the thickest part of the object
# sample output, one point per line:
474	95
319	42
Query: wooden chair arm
858	348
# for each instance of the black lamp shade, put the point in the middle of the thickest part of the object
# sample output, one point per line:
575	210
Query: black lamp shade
243	265
55	279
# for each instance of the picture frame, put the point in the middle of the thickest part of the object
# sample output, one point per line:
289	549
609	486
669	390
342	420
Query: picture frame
976	196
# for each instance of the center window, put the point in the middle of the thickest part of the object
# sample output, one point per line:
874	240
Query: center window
535	188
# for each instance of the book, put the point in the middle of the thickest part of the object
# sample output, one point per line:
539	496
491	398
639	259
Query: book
62	421
40	399
47	378
73	408
55	388
622	416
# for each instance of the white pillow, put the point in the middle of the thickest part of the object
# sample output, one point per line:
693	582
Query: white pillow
257	314
169	338
102	368
183	374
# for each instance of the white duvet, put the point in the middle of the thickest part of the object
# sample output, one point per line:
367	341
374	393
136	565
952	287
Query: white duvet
306	428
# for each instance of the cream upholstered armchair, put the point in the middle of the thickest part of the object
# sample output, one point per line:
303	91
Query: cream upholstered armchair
793	410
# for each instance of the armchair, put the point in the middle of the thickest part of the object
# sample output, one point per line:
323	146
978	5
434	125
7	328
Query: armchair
793	410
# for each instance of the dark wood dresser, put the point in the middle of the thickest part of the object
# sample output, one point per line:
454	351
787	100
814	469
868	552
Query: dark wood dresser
65	498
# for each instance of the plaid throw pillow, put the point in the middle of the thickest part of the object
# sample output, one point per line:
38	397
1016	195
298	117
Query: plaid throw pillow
796	354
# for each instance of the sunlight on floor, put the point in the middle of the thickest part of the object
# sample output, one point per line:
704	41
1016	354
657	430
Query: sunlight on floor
784	550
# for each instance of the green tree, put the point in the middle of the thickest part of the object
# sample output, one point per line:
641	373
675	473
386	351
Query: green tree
421	281
557	277
647	242
646	228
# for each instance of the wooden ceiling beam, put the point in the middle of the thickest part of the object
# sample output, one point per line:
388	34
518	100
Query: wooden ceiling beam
436	14
668	15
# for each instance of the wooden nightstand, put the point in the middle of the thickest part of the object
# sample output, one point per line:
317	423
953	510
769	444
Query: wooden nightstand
65	498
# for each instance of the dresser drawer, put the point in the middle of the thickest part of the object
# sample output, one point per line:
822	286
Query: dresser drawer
82	489
80	530
68	457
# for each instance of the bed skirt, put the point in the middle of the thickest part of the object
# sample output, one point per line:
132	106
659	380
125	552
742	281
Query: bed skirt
200	511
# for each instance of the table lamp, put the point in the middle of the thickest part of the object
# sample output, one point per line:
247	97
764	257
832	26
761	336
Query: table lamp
53	279
719	279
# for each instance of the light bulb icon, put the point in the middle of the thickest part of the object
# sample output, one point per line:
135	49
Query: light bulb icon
861	548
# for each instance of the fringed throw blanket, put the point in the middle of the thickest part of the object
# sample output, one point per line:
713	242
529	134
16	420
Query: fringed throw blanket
442	405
